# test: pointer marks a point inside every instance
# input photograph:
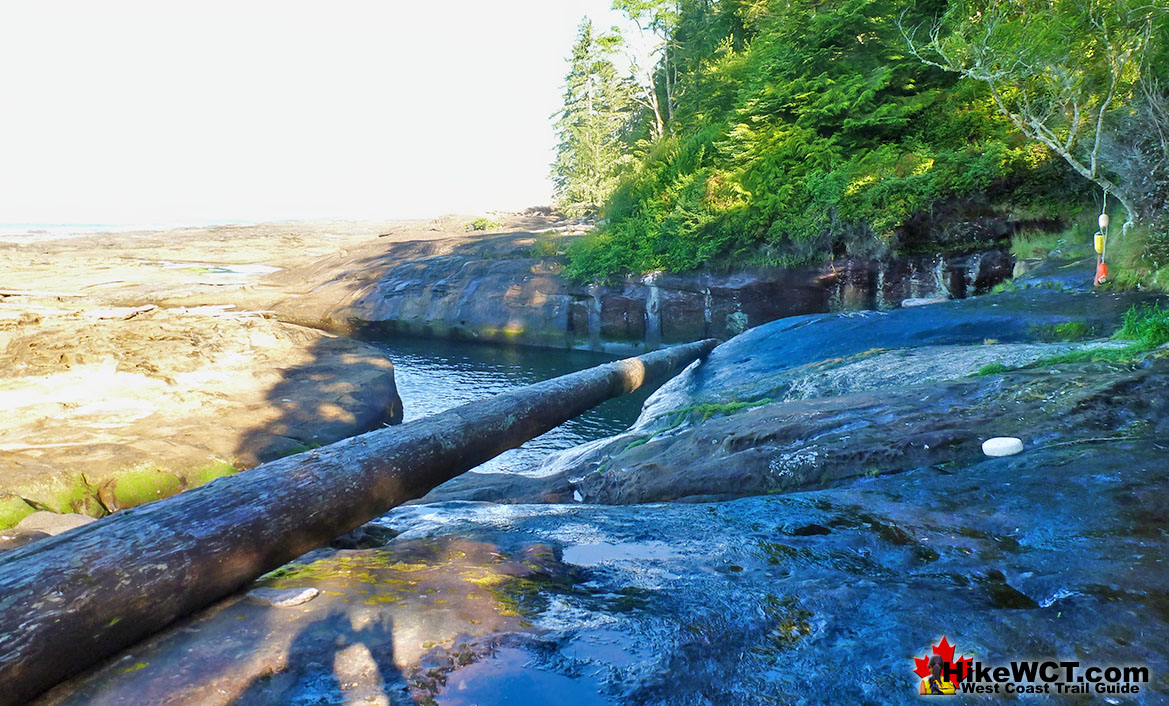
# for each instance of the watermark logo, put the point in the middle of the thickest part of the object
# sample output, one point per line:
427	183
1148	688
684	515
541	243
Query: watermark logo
943	674
940	673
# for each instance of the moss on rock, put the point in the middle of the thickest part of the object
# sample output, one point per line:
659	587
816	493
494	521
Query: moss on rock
63	494
13	510
138	487
206	474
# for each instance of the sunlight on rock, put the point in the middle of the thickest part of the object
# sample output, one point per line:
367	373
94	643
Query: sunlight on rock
359	676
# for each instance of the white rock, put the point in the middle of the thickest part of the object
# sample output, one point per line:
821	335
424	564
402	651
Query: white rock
922	301
1002	446
284	598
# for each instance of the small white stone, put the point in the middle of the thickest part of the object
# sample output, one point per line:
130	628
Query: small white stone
284	598
1002	446
922	301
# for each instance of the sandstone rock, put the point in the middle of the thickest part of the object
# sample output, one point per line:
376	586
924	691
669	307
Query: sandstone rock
52	523
810	402
171	398
492	289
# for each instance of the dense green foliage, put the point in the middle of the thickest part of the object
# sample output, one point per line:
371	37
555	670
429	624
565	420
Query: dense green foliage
483	223
795	130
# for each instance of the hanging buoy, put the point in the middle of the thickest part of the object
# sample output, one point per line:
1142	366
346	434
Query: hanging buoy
1002	446
1101	243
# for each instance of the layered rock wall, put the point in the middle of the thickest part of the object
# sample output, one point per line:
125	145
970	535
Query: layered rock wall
528	301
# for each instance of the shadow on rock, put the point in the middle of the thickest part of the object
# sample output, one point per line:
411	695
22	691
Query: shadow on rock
341	656
348	389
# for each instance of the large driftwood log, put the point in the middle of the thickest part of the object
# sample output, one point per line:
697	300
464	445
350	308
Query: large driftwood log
72	600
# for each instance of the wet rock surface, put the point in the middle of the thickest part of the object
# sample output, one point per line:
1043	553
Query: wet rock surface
723	603
383	625
820	442
812	401
882	528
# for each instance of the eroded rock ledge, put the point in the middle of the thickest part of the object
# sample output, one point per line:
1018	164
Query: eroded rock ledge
109	408
500	288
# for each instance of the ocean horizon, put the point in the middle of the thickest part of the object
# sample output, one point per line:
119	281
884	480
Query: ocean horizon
48	231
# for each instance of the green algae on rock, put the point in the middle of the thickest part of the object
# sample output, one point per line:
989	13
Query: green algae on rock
12	510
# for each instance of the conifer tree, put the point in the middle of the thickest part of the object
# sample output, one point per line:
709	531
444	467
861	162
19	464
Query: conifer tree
597	108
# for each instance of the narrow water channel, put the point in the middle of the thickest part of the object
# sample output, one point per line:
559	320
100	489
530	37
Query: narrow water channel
436	375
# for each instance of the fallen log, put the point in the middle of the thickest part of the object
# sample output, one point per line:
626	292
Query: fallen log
70	601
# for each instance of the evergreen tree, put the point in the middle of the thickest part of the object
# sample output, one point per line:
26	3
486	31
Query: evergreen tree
799	129
597	108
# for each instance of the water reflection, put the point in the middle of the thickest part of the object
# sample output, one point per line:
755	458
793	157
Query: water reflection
434	375
510	678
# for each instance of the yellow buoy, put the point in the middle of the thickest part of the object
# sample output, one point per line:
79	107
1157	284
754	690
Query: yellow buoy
1099	243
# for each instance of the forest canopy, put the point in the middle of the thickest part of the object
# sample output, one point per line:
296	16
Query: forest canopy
786	132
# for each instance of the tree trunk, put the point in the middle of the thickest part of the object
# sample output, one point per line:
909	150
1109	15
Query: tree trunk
72	600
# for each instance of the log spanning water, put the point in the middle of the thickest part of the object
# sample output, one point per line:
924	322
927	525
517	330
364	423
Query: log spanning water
70	601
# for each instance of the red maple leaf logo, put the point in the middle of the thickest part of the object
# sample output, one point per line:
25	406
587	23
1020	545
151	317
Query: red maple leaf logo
945	650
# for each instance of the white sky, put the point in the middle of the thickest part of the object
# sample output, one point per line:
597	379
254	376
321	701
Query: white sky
207	111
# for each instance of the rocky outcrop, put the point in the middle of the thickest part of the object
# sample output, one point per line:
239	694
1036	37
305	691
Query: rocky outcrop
495	290
852	516
105	411
814	401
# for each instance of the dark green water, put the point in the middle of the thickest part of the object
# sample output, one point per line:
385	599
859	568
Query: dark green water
434	375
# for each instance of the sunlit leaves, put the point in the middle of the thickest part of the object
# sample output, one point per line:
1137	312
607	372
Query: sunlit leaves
802	126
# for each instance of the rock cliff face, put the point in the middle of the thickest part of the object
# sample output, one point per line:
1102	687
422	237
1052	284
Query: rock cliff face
492	290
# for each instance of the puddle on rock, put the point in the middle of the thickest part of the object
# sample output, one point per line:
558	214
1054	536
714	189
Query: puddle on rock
511	678
604	553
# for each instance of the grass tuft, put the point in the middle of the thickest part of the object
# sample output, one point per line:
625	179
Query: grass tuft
992	369
1067	331
1148	325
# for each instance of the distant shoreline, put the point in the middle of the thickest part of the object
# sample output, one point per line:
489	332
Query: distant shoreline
24	233
19	232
